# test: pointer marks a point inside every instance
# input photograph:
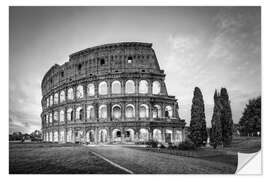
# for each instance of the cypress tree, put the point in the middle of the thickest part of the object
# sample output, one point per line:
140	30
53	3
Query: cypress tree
226	118
216	131
198	132
250	122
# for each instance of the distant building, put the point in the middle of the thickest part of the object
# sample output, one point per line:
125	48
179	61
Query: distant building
114	93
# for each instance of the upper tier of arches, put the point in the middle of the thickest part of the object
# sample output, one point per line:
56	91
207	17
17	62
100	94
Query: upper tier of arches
104	88
111	58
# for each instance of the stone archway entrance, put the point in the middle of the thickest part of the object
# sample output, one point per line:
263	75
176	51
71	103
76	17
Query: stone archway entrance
129	135
103	136
90	136
116	135
168	136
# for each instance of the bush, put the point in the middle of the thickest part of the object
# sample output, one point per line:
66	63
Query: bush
161	146
187	145
172	146
153	144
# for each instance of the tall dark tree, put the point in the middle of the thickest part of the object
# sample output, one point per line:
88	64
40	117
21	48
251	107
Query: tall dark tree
250	122
198	132
226	118
216	130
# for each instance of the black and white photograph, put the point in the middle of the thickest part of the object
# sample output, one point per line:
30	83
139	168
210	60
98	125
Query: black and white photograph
133	89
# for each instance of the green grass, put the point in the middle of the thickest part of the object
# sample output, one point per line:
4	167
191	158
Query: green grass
46	158
227	155
245	144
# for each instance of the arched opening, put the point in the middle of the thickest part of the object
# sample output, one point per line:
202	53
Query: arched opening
130	87
156	87
143	87
168	136
144	135
50	119
79	113
102	135
62	136
90	136
130	113
102	88
79	92
62	116
103	111
51	100
178	136
168	111
144	111
130	59
62	96
116	134
78	136
90	112
55	98
55	137
70	94
116	111
51	137
55	116
69	135
91	89
116	87
157	135
129	135
156	111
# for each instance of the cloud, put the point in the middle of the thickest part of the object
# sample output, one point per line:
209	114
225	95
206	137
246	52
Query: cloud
24	105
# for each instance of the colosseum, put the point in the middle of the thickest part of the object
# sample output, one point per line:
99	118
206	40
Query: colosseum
113	93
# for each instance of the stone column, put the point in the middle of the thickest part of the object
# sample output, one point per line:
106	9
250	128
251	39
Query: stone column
96	89
150	84
150	112
123	87
109	112
183	135
110	134
122	134
163	134
173	135
96	111
136	86
84	135
123	108
150	134
65	134
109	86
96	135
163	110
58	131
137	108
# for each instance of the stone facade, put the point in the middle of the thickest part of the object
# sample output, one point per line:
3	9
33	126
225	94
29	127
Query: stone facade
114	93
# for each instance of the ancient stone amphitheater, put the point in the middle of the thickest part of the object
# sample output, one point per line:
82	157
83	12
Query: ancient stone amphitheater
113	93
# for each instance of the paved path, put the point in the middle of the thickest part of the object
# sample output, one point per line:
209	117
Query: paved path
146	162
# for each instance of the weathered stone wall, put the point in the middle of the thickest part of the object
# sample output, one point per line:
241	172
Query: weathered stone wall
133	63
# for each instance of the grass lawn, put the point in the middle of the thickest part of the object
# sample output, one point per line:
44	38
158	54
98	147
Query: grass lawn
245	144
46	158
227	155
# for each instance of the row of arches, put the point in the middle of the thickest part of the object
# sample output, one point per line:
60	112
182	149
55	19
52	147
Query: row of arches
116	112
116	88
116	135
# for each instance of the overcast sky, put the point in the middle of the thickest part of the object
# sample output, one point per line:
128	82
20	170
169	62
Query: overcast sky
208	47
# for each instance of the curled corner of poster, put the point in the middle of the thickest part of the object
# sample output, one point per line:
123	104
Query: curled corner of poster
249	164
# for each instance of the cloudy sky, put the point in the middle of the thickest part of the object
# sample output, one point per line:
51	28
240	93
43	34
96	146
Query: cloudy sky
208	47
